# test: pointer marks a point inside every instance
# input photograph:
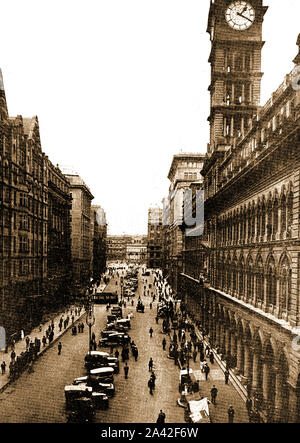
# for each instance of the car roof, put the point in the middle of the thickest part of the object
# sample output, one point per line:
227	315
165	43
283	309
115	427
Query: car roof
101	370
78	388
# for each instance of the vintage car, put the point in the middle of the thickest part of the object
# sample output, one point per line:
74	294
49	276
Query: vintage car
140	307
187	378
116	310
82	411
105	375
96	359
114	339
96	385
74	392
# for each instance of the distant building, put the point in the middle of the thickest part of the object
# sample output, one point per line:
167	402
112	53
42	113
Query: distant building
99	241
136	249
116	247
154	238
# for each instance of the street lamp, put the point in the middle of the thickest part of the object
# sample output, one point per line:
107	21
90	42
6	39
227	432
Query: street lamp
90	319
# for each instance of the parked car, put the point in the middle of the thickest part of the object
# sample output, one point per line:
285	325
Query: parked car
96	359
96	385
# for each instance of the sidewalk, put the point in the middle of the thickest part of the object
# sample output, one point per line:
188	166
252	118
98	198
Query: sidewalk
227	394
20	346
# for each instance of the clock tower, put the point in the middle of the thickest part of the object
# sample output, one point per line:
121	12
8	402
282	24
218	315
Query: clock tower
235	29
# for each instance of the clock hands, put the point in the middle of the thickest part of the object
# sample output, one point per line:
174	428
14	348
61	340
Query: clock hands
241	15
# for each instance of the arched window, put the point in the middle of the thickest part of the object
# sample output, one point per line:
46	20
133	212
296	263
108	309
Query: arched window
271	284
283	214
275	217
285	287
259	281
270	219
250	280
241	278
263	218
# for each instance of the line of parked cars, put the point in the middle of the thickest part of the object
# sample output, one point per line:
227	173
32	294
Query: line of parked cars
92	391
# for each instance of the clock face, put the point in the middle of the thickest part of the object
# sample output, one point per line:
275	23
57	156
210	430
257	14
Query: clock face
240	15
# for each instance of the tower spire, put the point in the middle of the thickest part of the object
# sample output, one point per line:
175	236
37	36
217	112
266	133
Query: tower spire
3	104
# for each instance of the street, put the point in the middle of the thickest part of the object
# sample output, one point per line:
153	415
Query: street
38	397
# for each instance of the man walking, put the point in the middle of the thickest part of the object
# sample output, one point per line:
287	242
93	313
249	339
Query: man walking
3	366
164	342
151	385
126	370
230	414
161	417
150	364
59	348
214	393
206	371
226	373
151	332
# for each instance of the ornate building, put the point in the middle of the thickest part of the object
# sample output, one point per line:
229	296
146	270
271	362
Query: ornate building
29	208
184	171
241	278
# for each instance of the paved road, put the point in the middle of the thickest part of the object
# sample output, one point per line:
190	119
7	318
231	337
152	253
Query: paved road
39	397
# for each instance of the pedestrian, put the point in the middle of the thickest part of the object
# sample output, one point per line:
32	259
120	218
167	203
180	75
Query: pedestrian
206	371
230	414
214	393
3	366
44	341
59	348
249	406
194	355
126	370
136	353
161	417
117	354
164	342
150	305
151	332
156	319
153	376
226	373
27	341
150	364
211	357
13	355
150	385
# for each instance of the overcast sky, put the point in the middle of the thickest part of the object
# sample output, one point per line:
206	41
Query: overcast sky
119	86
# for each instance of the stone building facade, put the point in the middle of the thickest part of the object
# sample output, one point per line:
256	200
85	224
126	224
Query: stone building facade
81	232
28	206
99	241
154	238
184	171
241	278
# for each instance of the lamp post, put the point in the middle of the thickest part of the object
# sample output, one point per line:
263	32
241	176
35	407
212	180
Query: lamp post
90	319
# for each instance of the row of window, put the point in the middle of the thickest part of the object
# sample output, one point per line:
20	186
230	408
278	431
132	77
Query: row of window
22	268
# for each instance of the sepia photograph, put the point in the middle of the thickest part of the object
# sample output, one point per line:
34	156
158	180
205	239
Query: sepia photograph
149	215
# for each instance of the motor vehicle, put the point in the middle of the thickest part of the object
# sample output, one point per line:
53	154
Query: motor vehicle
124	322
116	310
111	318
82	411
116	327
72	393
115	339
187	377
104	374
96	359
96	385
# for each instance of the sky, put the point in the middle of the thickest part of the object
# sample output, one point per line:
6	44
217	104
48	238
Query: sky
120	86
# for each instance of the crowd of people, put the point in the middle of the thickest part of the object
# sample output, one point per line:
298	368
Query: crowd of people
32	347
